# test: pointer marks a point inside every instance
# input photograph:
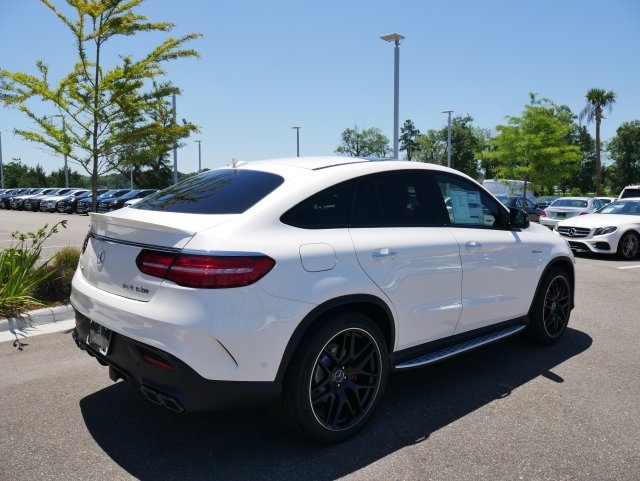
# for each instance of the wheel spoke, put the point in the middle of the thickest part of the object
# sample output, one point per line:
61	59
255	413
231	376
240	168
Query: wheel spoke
556	306
345	379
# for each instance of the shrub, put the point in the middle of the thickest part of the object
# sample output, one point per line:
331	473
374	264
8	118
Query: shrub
57	286
21	271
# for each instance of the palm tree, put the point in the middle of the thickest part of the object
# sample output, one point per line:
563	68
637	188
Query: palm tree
597	101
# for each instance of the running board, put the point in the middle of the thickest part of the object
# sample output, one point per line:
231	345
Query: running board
460	347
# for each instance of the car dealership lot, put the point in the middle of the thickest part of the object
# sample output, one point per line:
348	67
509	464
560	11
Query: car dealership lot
511	411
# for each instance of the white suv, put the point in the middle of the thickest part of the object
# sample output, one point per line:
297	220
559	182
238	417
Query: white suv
303	282
630	191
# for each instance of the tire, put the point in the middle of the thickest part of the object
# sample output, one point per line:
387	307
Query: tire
549	314
629	246
335	379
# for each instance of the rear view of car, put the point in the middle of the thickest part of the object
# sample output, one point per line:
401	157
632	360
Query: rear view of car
303	282
567	207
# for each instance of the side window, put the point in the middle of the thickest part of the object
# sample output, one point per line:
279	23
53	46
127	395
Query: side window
329	209
467	204
395	199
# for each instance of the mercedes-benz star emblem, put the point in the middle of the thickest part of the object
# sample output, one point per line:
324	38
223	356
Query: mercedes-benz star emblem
572	232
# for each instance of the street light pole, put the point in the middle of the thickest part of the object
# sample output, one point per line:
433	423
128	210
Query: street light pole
396	39
64	134
199	156
297	140
175	147
448	137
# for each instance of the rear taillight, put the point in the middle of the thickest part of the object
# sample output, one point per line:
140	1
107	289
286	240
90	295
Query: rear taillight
543	213
584	213
211	272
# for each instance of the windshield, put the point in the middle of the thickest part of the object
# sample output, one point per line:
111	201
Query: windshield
621	207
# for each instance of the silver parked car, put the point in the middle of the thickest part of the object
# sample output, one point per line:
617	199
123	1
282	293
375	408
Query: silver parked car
567	207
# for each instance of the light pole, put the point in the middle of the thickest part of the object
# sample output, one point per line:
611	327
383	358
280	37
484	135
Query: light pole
396	39
297	139
1	167
175	147
199	156
448	137
64	134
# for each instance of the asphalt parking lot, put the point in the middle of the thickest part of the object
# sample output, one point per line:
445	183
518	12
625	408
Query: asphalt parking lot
508	412
23	221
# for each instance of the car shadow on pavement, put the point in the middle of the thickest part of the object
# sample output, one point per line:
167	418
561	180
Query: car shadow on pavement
152	443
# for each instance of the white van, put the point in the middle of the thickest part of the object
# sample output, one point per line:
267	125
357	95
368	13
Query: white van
509	187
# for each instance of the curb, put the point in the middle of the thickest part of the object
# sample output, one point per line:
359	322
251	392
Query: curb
39	317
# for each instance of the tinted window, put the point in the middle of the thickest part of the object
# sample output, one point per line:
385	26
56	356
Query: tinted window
467	204
395	199
329	209
630	192
216	192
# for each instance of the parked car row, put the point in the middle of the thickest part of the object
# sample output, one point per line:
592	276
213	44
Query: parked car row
68	200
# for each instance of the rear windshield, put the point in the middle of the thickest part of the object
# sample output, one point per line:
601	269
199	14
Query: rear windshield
570	203
630	192
226	191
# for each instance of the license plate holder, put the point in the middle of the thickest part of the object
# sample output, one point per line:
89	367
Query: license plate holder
99	337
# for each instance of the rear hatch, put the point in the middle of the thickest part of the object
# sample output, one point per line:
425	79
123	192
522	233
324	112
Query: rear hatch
115	240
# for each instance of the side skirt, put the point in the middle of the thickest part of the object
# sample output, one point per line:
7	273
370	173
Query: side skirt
457	346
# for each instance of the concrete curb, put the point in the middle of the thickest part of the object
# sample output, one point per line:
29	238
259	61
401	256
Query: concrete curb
40	321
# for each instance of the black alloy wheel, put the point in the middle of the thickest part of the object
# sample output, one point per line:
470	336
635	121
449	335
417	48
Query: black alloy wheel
336	378
549	315
345	379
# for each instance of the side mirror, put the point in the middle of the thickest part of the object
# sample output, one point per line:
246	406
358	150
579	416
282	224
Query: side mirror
518	219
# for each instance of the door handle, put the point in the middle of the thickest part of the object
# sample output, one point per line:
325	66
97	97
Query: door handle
473	245
384	253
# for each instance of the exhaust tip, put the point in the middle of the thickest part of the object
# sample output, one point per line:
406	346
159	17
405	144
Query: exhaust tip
163	400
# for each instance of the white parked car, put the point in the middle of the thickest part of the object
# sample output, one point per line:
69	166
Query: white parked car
304	281
566	207
614	229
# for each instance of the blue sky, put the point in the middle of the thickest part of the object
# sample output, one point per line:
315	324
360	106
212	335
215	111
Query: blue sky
270	65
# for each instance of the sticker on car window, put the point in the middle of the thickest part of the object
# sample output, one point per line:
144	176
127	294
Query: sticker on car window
467	207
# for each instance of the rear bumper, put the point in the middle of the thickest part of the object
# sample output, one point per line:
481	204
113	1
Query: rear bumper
169	382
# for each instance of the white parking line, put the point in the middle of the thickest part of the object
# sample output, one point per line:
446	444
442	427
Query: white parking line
630	267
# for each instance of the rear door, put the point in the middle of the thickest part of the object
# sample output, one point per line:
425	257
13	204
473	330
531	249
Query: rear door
403	246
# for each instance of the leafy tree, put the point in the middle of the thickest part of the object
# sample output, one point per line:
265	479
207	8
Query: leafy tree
105	111
15	174
35	177
366	143
624	149
432	147
584	179
466	145
409	138
535	147
56	179
597	101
